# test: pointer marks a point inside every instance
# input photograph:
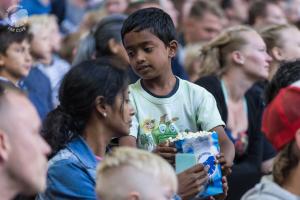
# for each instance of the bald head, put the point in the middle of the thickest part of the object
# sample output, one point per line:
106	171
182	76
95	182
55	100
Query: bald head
23	152
10	96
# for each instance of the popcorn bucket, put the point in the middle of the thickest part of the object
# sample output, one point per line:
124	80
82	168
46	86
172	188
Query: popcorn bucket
205	147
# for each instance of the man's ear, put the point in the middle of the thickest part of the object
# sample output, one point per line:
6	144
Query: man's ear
1	60
101	106
4	146
238	57
134	196
297	138
173	46
277	54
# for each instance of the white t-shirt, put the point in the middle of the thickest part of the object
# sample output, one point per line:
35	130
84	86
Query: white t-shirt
55	72
189	108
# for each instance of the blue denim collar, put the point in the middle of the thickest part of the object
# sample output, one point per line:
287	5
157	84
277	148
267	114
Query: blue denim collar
83	152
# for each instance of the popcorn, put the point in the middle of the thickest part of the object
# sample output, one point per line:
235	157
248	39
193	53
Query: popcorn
205	146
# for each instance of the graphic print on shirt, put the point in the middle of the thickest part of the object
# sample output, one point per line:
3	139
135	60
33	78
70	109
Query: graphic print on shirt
155	133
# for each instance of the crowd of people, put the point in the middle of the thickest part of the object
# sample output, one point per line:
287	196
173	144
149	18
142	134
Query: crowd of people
89	89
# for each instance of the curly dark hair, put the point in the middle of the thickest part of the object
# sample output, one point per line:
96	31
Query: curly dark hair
79	89
288	73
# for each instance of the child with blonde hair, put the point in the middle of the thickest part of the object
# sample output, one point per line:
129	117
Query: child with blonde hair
129	170
37	84
47	41
283	44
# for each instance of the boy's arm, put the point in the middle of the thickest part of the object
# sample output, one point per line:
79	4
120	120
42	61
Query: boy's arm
129	141
226	145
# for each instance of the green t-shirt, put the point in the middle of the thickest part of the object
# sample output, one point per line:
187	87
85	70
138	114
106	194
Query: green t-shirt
189	108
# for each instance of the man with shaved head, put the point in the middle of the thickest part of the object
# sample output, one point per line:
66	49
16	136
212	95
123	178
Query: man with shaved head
23	152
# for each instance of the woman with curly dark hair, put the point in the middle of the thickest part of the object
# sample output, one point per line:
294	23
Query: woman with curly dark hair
94	109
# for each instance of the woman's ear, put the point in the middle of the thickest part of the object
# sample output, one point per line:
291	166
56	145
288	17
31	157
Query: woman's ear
101	106
238	57
113	45
173	46
277	54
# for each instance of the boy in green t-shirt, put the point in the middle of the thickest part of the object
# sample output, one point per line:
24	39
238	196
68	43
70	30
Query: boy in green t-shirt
165	104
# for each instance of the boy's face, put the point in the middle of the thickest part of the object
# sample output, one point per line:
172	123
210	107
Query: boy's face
41	46
148	55
159	192
16	62
55	37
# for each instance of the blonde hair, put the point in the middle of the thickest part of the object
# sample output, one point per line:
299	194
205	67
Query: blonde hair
91	19
213	55
192	52
124	160
272	35
192	63
38	23
285	161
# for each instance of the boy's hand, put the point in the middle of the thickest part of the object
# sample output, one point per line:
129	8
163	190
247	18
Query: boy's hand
166	151
225	190
192	181
226	167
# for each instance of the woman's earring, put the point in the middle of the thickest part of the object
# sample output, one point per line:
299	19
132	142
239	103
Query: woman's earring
104	115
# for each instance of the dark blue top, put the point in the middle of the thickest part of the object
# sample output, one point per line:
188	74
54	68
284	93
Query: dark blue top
38	87
35	7
71	173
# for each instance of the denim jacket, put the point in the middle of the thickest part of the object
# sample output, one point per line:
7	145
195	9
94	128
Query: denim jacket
71	173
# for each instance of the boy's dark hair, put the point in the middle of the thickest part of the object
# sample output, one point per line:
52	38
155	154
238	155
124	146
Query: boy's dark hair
77	94
199	8
288	73
154	20
258	9
8	37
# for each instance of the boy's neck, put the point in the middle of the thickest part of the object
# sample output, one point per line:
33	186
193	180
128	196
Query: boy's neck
160	86
44	61
10	78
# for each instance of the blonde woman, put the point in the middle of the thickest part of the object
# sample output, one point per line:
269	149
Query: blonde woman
231	64
283	44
